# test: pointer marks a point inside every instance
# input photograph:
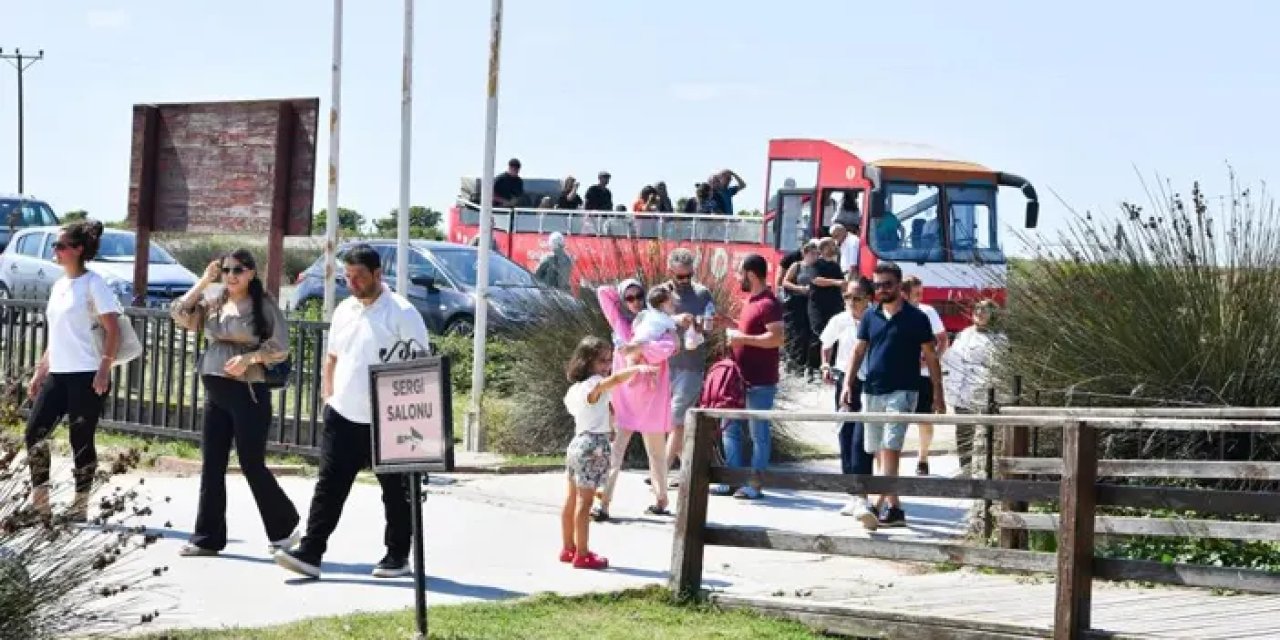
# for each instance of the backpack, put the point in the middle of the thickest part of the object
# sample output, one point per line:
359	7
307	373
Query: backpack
724	386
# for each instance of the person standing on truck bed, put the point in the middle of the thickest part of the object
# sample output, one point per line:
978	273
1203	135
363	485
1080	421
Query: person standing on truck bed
724	192
508	188
569	198
599	198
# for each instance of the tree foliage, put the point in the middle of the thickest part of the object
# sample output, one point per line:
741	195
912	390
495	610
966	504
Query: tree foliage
423	223
349	220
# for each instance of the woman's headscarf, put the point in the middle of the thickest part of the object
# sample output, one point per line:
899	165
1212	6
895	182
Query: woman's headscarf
622	293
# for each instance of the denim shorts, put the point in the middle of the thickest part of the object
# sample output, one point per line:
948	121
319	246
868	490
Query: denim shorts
892	435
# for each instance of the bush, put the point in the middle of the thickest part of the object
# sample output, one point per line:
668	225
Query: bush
57	579
537	356
195	253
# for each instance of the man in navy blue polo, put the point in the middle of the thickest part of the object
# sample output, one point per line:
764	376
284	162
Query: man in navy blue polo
892	337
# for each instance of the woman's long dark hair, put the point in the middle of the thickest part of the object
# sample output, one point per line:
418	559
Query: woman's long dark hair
257	293
86	234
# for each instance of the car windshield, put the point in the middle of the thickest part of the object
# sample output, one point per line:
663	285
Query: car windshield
461	264
26	213
121	247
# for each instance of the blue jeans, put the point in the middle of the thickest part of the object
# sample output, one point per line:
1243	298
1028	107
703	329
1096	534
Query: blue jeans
758	398
853	457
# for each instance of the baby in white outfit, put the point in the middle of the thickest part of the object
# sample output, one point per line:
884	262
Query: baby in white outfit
653	323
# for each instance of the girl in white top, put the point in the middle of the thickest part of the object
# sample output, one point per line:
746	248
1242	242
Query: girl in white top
73	374
587	459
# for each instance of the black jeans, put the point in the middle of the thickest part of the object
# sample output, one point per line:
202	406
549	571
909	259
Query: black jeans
70	395
799	338
234	416
345	449
854	459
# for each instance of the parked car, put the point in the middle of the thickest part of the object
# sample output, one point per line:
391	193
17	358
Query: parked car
443	277
27	269
21	212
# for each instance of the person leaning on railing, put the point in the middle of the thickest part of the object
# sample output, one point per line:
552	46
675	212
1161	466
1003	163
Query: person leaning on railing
73	375
245	332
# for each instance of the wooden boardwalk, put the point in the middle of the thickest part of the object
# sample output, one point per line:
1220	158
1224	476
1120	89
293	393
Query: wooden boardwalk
970	604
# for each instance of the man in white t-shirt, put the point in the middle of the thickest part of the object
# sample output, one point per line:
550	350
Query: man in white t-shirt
847	238
913	288
373	326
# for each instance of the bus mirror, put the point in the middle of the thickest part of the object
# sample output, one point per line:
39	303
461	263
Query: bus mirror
1033	214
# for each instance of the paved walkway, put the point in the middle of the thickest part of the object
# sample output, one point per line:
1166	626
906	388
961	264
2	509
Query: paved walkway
488	538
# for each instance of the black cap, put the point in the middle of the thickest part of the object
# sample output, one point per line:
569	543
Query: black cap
514	162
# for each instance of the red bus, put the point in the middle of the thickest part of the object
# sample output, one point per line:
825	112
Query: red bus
932	213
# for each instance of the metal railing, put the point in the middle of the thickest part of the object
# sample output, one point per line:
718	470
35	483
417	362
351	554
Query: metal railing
160	393
1083	484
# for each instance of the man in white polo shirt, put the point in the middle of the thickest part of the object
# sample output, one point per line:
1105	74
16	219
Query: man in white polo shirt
373	326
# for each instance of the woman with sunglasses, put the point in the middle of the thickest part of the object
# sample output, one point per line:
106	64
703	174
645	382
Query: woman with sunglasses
245	332
73	375
636	403
840	336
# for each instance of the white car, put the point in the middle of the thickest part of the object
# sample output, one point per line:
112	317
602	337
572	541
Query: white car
27	270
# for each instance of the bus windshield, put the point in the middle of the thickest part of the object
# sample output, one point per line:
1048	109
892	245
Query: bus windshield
974	231
908	228
911	228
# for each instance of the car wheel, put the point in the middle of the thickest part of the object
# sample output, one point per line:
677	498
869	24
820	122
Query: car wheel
460	326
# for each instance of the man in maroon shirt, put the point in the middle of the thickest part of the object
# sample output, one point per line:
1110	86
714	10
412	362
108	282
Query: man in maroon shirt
755	343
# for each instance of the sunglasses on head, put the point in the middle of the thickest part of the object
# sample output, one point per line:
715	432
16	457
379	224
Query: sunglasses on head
236	270
63	246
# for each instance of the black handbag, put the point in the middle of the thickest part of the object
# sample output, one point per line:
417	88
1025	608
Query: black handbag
276	376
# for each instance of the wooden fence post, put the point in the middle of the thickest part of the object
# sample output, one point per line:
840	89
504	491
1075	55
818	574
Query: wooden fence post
1015	442
691	514
1074	597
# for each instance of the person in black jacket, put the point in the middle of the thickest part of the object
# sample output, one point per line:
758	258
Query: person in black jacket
599	198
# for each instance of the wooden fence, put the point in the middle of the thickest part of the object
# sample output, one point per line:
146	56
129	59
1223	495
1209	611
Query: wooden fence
1077	492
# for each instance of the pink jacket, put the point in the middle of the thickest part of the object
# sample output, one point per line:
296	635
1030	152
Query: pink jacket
643	404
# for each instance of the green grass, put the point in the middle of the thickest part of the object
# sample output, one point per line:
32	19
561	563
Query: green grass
641	614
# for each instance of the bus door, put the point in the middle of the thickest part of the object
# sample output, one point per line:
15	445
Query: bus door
793	220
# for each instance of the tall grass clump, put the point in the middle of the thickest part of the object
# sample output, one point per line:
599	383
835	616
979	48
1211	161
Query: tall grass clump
536	356
196	252
62	580
1172	306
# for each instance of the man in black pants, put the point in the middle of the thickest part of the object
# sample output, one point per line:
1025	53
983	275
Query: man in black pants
371	327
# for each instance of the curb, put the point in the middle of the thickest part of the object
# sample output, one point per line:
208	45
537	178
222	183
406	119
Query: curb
171	464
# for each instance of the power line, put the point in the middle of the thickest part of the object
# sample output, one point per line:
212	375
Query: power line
21	62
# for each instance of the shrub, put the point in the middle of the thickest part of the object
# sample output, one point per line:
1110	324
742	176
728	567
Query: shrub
195	253
539	422
57	579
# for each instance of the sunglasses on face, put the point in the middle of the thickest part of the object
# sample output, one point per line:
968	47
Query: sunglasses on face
851	298
63	246
682	276
633	298
236	270
885	284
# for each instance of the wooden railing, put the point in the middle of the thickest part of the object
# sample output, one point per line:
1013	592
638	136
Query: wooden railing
1077	492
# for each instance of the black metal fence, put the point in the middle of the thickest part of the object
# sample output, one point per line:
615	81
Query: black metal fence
160	393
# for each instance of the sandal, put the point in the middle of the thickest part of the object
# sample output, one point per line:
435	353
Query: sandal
599	514
590	561
655	510
568	554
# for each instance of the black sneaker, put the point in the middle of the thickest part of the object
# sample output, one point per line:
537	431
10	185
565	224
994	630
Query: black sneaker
893	517
299	561
392	567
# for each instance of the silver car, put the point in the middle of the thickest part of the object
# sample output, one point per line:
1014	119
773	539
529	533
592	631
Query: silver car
27	269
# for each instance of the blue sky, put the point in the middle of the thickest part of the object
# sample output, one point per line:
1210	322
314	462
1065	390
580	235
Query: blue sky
1072	95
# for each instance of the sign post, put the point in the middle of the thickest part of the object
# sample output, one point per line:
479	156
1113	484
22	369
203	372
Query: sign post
412	434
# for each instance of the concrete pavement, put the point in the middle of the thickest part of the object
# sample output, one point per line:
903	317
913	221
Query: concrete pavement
488	538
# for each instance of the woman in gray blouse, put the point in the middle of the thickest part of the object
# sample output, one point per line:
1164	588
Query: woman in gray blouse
245	330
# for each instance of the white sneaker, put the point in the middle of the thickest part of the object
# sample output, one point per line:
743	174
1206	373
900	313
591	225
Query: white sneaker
284	545
859	508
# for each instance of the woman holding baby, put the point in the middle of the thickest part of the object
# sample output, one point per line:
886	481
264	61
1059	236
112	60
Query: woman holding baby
644	333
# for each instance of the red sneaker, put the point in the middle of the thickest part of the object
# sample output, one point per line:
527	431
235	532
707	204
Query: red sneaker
590	561
568	554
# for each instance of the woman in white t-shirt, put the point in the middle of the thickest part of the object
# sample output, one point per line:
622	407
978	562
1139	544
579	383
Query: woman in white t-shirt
73	375
587	459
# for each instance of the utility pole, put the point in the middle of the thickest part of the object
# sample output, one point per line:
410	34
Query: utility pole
21	63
